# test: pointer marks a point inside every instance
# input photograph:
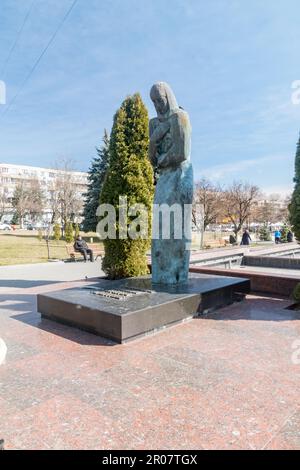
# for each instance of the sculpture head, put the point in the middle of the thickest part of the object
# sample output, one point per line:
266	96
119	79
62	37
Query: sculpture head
163	99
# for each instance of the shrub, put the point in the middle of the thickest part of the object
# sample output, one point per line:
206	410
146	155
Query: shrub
77	230
15	220
284	231
69	232
56	232
264	233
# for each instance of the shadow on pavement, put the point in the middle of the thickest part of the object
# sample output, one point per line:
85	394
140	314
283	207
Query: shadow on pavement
25	284
23	309
257	309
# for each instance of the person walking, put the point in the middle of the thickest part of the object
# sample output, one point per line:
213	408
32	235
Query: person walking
246	239
81	247
277	236
289	237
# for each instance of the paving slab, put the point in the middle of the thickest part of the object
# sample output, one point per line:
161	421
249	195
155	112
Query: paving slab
228	380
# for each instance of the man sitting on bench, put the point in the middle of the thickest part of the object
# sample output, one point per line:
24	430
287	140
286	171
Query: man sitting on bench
82	247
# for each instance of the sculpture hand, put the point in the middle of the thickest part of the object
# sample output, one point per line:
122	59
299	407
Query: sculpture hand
161	160
152	153
160	131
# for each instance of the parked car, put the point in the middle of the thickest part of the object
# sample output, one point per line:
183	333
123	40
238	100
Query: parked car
5	227
36	227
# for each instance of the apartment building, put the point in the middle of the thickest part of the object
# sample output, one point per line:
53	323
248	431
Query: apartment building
12	175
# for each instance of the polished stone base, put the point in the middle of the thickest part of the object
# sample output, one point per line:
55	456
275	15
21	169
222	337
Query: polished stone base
126	309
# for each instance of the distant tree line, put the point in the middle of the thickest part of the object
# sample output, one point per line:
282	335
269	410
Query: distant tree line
30	199
237	204
121	167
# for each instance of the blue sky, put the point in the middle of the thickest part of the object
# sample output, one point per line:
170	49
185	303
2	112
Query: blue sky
231	64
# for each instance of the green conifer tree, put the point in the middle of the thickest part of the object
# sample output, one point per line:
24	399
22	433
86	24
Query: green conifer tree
96	178
264	233
294	207
15	220
129	174
76	230
69	232
284	231
56	232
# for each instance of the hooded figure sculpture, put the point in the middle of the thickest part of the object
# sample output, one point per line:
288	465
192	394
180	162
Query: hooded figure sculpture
169	153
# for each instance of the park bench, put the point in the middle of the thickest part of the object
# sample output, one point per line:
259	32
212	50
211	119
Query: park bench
216	243
74	255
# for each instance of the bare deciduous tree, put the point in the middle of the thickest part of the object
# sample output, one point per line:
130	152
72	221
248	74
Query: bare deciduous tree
271	209
35	199
28	198
4	201
265	212
238	202
54	196
65	199
283	213
207	205
19	201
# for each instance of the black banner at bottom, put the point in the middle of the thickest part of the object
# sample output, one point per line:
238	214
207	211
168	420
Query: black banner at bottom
137	459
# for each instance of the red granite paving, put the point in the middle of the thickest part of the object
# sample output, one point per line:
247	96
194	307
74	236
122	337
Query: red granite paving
225	381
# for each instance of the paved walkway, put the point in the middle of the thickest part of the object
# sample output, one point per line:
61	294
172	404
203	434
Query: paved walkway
202	255
32	275
226	381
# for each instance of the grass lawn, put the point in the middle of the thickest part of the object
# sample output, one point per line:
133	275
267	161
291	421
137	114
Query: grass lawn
24	247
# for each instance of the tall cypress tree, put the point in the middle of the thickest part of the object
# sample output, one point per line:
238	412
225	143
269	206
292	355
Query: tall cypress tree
130	174
96	178
294	207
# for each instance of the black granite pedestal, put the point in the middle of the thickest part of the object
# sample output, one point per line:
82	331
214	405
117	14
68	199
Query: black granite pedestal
126	309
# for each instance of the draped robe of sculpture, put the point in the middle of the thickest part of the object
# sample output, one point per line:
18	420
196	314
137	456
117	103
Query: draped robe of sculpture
169	152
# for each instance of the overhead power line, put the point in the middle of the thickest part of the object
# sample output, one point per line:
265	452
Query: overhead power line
39	58
11	51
